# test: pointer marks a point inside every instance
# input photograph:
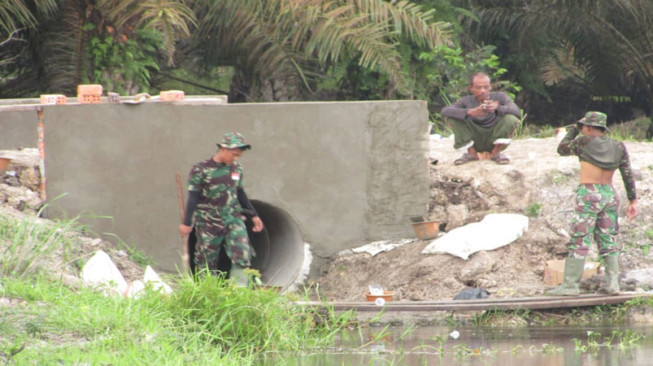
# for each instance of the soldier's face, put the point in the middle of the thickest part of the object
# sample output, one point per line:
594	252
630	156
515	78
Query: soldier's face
231	155
481	87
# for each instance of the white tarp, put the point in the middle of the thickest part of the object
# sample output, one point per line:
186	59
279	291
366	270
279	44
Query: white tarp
381	246
100	272
494	231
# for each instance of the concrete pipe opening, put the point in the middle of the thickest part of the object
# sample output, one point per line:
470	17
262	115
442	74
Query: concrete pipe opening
279	247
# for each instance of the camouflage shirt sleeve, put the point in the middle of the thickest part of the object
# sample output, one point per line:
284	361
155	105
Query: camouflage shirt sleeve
569	145
627	173
195	178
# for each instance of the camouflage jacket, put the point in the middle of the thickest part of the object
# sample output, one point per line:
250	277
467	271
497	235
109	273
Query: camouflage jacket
603	152
218	186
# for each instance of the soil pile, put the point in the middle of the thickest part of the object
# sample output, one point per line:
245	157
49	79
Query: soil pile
537	183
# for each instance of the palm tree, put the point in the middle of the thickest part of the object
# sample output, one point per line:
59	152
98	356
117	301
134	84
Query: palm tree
17	23
69	42
602	47
289	44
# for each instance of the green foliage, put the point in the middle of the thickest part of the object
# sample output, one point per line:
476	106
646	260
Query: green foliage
534	209
649	234
448	70
552	49
194	82
623	340
205	321
28	245
124	66
630	131
225	315
452	69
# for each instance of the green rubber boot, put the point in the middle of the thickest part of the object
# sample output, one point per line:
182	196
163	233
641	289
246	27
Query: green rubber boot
238	276
573	272
611	275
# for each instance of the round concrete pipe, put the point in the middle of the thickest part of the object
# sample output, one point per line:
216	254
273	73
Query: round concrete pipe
279	247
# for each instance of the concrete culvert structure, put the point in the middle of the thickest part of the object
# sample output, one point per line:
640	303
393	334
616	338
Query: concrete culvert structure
361	167
279	247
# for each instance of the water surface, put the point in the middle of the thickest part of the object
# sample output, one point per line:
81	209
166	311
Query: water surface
526	346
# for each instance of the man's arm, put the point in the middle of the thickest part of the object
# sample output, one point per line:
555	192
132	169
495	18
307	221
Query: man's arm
458	110
627	174
194	187
507	106
191	205
245	203
569	145
249	209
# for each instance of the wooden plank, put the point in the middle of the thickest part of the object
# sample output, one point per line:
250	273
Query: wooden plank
544	302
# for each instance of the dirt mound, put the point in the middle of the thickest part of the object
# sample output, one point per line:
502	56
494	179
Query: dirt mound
538	183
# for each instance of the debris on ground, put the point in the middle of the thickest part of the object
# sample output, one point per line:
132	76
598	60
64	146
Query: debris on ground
538	184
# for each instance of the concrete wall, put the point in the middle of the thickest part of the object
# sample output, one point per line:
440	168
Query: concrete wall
346	173
19	127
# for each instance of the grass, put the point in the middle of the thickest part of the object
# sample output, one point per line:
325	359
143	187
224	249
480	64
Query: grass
206	320
29	244
202	322
533	210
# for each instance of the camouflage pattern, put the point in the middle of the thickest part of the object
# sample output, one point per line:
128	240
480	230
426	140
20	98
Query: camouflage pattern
233	140
218	218
595	216
603	152
596	119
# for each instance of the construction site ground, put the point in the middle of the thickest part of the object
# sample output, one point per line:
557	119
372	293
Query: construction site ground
538	183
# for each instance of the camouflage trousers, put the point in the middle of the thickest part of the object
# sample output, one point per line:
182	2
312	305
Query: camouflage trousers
215	234
595	216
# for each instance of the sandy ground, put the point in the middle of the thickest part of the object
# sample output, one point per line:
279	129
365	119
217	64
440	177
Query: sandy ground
536	176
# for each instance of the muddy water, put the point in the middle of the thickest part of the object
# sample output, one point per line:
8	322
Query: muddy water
541	346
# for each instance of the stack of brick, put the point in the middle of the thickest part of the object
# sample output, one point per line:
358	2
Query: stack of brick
172	95
90	93
53	99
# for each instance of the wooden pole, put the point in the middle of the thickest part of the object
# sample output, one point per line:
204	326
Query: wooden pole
180	194
41	145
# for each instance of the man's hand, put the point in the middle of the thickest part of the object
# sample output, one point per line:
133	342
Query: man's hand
631	212
490	106
184	230
477	112
258	224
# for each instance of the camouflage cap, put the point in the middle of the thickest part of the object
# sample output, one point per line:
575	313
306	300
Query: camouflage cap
233	140
596	119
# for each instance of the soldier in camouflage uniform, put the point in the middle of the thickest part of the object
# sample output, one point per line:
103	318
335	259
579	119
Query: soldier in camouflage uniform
596	201
219	204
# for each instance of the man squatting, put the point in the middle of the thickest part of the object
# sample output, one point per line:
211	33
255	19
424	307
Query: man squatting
483	122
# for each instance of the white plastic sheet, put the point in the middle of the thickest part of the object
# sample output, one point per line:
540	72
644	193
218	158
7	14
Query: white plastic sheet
494	231
381	246
101	272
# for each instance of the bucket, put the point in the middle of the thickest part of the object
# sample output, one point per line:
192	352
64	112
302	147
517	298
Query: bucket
387	296
4	163
426	229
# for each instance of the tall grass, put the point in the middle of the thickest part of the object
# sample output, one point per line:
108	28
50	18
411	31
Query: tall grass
29	244
206	320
